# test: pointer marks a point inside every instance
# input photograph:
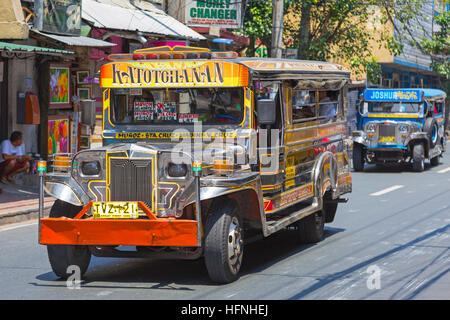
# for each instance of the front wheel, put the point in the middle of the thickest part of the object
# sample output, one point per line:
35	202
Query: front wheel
418	157
358	157
224	246
61	257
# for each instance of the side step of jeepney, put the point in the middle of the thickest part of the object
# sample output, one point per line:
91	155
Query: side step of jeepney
276	225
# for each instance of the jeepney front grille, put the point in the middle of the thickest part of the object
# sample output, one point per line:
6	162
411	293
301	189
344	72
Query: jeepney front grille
386	131
131	180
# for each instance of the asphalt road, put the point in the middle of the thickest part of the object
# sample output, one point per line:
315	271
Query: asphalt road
390	241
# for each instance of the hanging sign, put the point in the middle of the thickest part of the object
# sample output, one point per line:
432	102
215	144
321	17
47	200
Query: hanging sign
216	13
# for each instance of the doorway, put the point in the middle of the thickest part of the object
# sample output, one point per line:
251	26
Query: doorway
3	100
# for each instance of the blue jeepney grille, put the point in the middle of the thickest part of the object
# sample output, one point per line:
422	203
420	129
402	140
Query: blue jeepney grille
386	131
131	180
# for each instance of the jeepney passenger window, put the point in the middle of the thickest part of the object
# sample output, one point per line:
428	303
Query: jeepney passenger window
328	104
303	105
438	108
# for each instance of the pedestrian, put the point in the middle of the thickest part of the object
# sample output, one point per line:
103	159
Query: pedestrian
13	159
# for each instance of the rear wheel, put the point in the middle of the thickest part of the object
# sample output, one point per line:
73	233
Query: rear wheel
311	228
418	157
224	245
434	161
358	157
63	256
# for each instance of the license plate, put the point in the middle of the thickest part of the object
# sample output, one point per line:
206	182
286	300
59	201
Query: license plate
115	210
386	140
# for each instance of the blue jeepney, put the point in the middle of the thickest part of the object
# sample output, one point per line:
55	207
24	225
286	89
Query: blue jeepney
400	125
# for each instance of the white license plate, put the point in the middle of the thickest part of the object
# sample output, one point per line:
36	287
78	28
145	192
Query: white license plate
115	210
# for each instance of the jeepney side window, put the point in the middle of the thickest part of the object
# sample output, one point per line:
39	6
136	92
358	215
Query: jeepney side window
438	108
328	104
303	105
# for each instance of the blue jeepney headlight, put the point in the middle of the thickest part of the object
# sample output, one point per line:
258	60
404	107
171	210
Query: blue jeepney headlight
370	127
403	128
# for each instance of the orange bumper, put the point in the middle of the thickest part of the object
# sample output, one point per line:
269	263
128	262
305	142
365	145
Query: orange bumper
152	232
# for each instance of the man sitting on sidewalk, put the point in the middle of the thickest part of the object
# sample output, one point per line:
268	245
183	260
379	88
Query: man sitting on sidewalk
12	158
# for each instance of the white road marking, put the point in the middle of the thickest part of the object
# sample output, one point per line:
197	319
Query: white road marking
16	227
444	170
387	190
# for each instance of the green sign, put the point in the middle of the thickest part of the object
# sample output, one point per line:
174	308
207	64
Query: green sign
218	13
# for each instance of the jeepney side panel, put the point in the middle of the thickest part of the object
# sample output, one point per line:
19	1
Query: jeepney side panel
305	143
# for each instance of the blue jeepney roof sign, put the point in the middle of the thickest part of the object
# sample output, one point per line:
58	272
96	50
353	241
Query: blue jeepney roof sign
394	95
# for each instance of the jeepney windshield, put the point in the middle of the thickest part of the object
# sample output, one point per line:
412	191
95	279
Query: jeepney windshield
169	106
394	107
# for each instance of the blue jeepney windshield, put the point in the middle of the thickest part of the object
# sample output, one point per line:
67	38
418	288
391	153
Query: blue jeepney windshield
394	107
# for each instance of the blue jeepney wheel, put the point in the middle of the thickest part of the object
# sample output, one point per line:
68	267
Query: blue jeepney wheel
418	157
358	157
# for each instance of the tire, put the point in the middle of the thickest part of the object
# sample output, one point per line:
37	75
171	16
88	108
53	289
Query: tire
418	157
434	161
63	256
311	228
224	246
358	157
432	129
329	209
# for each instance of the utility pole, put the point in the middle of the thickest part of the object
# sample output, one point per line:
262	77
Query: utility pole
277	28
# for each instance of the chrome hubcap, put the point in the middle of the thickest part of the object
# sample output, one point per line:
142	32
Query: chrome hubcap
234	243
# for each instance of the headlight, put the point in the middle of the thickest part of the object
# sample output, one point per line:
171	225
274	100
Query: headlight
177	170
370	127
90	168
403	128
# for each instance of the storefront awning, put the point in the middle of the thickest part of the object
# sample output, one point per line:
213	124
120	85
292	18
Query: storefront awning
22	48
106	16
76	41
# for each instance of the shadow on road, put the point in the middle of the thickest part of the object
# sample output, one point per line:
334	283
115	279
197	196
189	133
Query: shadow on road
342	274
117	273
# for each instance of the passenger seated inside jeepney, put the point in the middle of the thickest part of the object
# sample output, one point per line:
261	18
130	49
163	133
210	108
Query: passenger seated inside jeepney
328	102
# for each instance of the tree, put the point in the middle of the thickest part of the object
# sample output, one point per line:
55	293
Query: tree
334	30
258	25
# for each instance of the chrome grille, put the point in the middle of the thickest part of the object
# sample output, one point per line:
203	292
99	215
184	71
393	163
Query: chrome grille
131	180
386	131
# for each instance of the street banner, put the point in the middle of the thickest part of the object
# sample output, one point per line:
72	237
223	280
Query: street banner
213	13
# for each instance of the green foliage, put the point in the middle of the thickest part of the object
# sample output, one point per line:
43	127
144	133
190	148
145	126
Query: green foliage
258	24
438	46
343	30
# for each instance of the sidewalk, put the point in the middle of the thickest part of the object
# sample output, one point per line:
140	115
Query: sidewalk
20	203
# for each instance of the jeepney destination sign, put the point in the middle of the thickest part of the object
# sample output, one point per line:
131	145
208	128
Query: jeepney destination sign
172	74
404	95
207	13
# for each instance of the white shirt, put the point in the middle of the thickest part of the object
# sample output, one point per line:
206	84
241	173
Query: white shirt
8	148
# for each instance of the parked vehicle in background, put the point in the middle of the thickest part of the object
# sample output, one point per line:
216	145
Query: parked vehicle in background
203	152
400	125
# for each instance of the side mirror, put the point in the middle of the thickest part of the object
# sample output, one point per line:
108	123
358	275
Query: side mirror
266	109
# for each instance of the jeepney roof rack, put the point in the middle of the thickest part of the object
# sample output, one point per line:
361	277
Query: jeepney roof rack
176	52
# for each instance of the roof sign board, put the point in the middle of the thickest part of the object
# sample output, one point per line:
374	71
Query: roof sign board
216	13
400	95
173	74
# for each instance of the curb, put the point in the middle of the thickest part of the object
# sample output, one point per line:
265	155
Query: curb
24	215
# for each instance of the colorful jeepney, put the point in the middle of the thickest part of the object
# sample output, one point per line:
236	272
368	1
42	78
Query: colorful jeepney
202	152
398	125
